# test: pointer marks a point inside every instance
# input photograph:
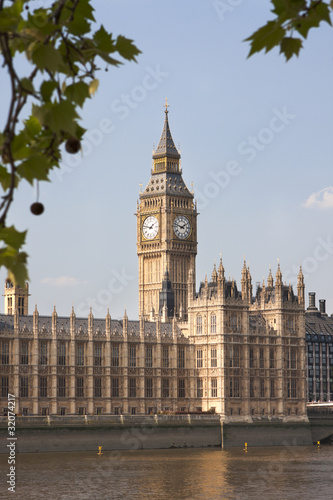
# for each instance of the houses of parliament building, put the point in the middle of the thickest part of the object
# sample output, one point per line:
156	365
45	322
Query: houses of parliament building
224	348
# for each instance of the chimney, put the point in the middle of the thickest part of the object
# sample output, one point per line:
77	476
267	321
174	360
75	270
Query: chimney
312	300
322	306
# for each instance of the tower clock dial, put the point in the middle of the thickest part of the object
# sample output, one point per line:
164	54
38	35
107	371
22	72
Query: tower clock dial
182	227
150	227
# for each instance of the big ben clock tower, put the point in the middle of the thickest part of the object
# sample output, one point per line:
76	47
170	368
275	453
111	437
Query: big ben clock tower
166	233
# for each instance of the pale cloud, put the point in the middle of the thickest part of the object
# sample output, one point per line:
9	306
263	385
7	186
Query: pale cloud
63	281
322	199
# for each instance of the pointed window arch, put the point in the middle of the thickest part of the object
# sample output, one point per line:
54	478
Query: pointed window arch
213	323
199	324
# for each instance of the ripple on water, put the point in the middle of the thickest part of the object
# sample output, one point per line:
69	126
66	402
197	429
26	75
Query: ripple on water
272	473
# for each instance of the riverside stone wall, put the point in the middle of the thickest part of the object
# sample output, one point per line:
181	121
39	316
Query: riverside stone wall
87	433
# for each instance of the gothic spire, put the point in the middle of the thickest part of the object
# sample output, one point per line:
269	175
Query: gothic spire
214	274
221	269
300	277
278	276
270	281
166	146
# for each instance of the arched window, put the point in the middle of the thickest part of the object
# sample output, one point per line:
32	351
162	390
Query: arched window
213	323
199	325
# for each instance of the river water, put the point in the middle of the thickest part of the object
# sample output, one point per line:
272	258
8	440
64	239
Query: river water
260	473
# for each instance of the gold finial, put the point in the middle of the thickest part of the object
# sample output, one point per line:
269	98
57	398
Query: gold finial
192	187
140	187
166	105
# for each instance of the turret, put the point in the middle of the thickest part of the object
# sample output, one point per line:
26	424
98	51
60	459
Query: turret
125	321
246	284
278	285
278	277
54	320
72	322
108	322
214	274
16	298
220	281
90	323
301	287
35	317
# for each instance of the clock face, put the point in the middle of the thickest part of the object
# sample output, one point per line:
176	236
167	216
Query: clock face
182	227
150	227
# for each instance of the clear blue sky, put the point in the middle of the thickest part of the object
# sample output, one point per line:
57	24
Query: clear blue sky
256	140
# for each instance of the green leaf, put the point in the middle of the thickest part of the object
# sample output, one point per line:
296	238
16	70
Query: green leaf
46	57
290	47
8	21
323	12
12	237
126	48
17	7
85	10
79	27
288	9
19	146
61	117
77	92
58	117
6	178
16	264
18	271
104	40
32	126
279	7
304	24
36	167
38	25
47	88
27	85
91	53
266	37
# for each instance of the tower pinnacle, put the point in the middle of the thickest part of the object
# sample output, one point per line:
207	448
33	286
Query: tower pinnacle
166	147
166	105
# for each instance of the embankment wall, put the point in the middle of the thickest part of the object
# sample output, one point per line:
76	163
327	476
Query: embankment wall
86	433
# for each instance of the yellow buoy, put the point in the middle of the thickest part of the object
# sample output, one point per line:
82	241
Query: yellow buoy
100	450
245	449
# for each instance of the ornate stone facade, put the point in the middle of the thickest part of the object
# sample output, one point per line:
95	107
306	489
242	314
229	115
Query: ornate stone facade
250	351
56	365
221	349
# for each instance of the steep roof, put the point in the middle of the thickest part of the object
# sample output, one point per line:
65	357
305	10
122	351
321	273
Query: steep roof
166	146
318	324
